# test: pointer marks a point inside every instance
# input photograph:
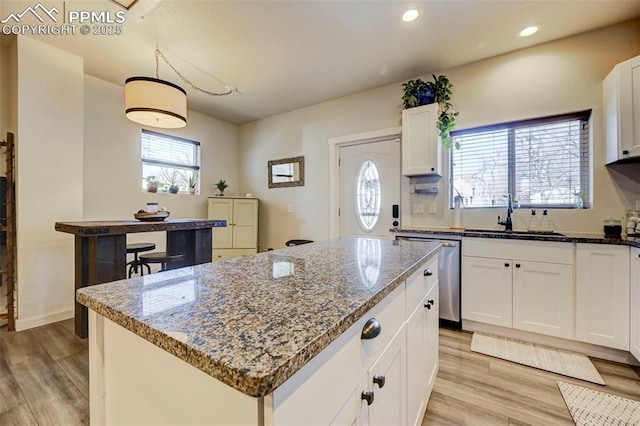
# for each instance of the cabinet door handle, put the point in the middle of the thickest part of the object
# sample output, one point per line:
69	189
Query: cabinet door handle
367	396
625	152
517	265
379	380
427	273
506	265
429	304
371	329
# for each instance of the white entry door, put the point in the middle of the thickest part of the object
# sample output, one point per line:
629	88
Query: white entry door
369	188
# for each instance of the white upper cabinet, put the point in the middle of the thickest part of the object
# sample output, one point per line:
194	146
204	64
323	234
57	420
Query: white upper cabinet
421	151
621	97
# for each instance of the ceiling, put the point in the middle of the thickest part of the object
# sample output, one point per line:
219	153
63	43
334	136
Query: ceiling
288	54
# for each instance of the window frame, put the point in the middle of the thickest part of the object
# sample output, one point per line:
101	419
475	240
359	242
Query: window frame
168	164
586	172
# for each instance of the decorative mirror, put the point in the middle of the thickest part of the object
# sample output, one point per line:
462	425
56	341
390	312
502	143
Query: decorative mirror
286	172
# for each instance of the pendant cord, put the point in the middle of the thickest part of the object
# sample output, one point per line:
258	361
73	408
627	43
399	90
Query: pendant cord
159	54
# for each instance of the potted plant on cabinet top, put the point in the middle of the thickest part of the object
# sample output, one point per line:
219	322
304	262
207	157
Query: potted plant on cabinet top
221	185
418	93
152	184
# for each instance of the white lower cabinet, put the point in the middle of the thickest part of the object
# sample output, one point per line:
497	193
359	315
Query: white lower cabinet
634	340
533	292
487	290
543	298
602	295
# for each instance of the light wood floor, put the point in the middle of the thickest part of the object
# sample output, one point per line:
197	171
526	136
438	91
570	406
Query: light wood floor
476	389
44	380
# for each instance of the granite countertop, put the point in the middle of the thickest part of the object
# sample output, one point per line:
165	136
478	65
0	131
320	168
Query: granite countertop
521	235
252	322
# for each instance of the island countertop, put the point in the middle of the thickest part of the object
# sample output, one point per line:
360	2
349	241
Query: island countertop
252	322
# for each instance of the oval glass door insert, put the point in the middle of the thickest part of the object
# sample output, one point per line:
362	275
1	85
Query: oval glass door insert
368	194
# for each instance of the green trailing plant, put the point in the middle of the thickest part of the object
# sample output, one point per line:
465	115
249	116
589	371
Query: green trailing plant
446	115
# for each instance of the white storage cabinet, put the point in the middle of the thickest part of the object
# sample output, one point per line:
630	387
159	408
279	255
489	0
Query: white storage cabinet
421	150
621	97
240	235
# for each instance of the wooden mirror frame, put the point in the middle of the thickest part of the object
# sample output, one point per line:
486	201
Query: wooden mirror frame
299	182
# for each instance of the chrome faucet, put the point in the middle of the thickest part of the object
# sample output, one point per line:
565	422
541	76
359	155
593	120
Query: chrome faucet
508	225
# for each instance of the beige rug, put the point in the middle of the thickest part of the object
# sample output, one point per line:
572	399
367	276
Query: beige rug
567	363
589	407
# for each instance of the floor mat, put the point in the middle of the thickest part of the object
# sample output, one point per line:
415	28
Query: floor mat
567	363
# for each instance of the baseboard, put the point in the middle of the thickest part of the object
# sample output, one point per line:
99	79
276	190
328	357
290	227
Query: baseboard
588	349
27	323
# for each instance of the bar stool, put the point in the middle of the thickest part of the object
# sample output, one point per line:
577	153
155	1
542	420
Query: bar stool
136	248
160	257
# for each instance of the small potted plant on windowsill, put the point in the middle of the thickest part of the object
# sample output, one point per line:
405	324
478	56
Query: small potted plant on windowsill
152	184
192	185
221	185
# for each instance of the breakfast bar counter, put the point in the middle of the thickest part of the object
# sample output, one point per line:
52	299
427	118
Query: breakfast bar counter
248	324
101	255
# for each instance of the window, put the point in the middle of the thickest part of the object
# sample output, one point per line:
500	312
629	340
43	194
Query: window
542	162
172	162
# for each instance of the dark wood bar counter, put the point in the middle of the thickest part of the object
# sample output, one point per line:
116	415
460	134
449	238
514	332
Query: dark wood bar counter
101	250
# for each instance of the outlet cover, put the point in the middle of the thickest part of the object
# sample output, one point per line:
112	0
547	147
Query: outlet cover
433	208
418	208
289	208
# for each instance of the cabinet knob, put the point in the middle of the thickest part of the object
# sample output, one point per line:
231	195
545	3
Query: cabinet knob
433	169
506	265
625	152
427	273
379	380
517	265
428	304
367	396
371	329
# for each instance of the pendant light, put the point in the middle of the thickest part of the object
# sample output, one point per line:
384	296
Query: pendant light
156	103
159	103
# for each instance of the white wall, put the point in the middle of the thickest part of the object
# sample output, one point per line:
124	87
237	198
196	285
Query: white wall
112	168
556	77
48	179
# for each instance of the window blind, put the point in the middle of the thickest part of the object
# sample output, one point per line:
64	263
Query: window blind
542	162
170	151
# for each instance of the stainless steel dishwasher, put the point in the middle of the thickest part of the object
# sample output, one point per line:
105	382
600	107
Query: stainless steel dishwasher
448	275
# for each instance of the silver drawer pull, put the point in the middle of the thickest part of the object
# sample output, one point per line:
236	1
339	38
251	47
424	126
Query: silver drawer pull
371	329
427	273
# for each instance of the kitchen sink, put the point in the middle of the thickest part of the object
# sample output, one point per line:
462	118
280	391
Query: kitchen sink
502	231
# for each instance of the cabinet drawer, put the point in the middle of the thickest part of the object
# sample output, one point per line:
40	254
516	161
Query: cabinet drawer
331	376
421	282
534	251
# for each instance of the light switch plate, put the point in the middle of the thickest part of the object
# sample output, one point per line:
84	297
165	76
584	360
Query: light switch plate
418	208
289	208
433	208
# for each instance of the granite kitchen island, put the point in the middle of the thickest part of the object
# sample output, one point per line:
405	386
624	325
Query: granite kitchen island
283	337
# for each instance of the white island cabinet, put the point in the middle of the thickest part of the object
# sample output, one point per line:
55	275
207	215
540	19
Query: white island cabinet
244	343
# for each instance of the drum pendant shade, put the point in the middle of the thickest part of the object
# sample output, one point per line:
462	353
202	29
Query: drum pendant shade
154	102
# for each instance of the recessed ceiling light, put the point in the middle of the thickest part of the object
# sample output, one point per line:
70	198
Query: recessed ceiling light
529	31
410	15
